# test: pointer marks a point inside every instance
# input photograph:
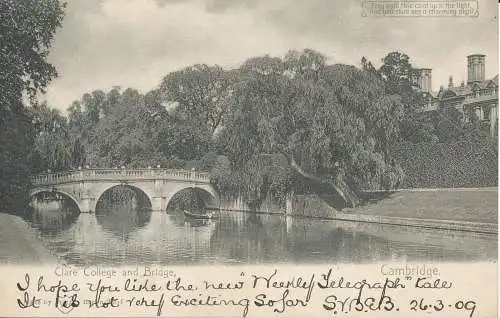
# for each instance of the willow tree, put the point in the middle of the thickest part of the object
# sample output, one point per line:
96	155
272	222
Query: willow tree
298	124
54	148
27	29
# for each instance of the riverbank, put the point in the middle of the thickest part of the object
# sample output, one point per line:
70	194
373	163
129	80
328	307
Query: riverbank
20	244
448	225
462	204
462	209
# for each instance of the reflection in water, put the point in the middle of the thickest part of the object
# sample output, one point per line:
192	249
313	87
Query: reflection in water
189	199
123	220
51	214
235	238
122	210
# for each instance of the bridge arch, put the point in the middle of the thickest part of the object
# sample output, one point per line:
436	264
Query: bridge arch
135	187
208	195
36	191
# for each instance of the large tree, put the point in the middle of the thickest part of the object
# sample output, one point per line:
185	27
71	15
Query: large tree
298	118
54	148
27	29
396	71
124	136
201	92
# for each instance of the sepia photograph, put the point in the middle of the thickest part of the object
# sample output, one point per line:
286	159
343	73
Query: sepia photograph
162	133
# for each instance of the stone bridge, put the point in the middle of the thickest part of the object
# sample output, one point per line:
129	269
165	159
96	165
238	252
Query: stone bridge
85	187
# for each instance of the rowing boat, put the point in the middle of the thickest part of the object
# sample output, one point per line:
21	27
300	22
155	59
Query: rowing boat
198	216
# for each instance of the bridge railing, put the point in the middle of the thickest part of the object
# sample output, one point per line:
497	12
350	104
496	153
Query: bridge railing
119	174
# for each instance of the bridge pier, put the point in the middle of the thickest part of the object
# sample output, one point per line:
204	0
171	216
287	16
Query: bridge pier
289	204
87	205
159	204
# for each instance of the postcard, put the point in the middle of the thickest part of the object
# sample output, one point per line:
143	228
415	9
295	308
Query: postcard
249	158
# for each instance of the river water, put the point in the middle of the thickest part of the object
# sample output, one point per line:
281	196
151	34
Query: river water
129	235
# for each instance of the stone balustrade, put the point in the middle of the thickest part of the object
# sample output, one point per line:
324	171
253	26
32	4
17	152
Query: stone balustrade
119	174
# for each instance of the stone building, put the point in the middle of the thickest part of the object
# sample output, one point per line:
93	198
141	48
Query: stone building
478	96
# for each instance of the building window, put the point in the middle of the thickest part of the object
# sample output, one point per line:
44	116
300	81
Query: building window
486	114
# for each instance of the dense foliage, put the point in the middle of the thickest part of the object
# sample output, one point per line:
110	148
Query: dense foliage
270	128
459	163
298	119
26	32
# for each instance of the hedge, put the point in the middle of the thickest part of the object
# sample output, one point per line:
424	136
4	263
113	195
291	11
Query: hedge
464	163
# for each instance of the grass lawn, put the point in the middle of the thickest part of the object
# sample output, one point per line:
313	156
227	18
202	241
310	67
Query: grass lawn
473	205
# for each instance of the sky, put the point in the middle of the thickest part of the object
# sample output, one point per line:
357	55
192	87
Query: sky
135	43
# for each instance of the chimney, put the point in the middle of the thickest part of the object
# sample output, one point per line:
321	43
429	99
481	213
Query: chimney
450	82
475	68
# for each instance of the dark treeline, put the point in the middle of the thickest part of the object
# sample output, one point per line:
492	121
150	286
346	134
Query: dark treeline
26	31
260	129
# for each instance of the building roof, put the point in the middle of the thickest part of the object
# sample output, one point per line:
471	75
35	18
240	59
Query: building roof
495	80
463	90
434	94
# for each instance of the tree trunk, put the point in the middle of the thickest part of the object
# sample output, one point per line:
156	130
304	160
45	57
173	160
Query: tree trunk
338	195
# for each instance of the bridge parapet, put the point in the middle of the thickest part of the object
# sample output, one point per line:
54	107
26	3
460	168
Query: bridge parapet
119	175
